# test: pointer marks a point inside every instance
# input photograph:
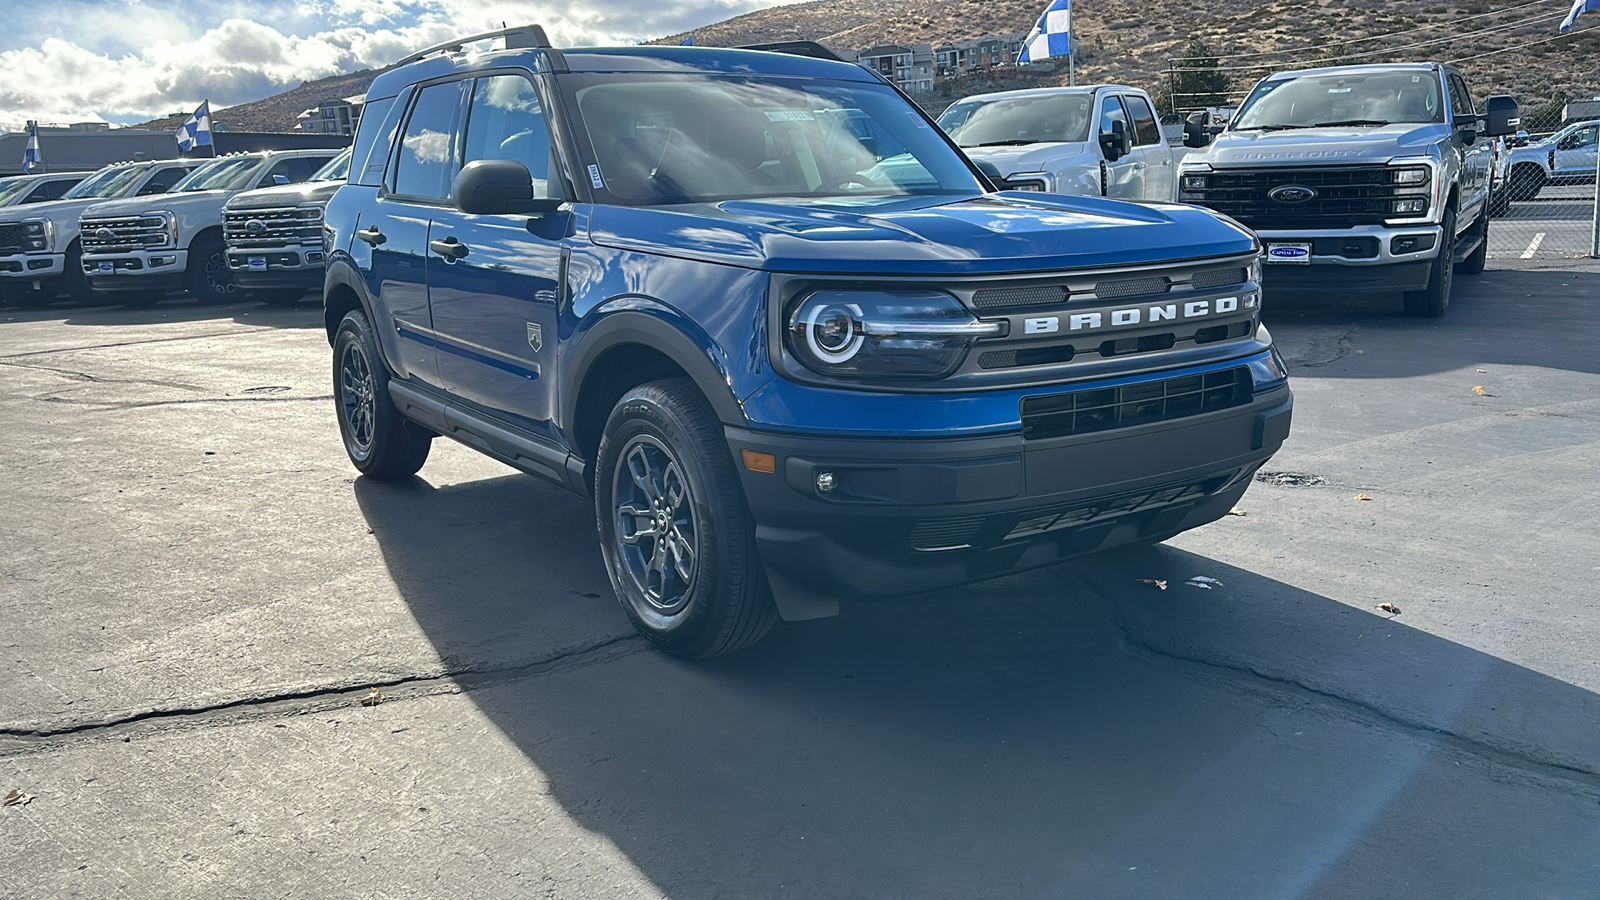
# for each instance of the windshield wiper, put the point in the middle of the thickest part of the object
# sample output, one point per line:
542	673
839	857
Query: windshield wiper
1279	127
1009	142
1350	122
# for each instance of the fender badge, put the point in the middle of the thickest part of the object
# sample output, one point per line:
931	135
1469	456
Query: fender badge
535	337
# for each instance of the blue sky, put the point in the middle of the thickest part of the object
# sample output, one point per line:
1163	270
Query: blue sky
127	61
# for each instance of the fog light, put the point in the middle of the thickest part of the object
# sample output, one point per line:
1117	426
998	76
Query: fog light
1410	243
1194	183
156	261
825	482
1410	206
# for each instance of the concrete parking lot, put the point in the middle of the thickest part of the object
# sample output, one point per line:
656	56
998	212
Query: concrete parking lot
197	593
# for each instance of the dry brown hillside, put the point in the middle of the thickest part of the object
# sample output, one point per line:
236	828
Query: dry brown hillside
277	113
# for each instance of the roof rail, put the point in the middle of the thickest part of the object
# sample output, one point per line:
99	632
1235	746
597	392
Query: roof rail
796	48
517	38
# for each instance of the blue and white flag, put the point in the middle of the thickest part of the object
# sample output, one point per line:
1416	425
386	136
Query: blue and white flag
196	130
688	41
1579	7
1053	35
30	154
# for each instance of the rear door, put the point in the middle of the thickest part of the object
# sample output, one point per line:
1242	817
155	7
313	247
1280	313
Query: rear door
494	280
1575	153
1159	172
395	226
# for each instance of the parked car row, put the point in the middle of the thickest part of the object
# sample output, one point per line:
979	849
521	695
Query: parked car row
135	231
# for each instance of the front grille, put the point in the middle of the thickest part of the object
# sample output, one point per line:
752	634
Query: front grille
1139	403
1131	287
121	234
1345	196
1219	277
10	237
284	227
1019	298
946	534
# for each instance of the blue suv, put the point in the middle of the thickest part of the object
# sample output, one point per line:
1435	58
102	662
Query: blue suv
783	332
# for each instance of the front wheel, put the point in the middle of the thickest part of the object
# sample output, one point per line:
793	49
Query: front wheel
1525	183
1433	300
208	278
379	441
675	532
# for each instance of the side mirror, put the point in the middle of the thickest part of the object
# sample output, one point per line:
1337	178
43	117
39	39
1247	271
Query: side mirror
280	179
1521	139
1466	129
1115	144
990	171
1502	115
498	187
1196	129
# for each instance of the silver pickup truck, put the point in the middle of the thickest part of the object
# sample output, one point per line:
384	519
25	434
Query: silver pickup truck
1356	178
1093	141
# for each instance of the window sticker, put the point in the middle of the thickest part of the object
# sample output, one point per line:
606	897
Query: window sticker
790	115
916	119
594	177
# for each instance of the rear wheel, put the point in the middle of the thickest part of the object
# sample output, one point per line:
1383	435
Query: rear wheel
208	278
1525	184
1435	298
380	442
675	532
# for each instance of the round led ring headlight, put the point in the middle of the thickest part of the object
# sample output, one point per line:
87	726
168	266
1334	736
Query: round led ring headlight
832	332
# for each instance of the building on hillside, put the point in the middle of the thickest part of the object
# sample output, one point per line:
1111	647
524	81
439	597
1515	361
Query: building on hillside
954	59
909	66
333	116
998	50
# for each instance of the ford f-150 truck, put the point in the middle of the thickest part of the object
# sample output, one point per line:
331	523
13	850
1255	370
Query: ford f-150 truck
1357	178
1566	157
1094	141
274	234
139	249
786	367
40	252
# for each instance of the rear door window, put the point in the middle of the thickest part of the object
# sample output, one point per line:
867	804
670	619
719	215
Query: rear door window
1145	129
425	164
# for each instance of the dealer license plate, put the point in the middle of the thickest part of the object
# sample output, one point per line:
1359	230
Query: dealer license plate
257	262
1291	254
108	267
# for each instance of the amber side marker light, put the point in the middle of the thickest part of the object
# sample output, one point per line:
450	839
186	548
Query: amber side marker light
759	462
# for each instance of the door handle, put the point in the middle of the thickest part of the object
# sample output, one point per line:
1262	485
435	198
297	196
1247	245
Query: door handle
449	248
371	235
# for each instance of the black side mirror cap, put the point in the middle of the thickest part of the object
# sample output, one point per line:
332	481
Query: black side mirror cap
1197	128
990	171
1116	144
1502	115
499	187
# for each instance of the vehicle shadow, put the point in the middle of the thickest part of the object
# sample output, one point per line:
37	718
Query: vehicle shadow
1068	732
1502	316
177	308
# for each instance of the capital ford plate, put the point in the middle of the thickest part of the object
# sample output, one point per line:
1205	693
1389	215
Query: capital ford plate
256	262
106	267
1289	254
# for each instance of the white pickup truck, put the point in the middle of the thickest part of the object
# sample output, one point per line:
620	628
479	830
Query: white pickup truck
141	248
1095	141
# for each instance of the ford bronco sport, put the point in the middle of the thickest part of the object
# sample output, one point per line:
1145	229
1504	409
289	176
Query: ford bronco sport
787	370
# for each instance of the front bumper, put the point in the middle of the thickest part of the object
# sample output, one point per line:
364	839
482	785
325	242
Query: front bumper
288	267
1363	259
907	516
29	266
136	270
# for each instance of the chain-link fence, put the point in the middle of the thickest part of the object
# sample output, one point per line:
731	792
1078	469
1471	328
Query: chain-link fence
1545	201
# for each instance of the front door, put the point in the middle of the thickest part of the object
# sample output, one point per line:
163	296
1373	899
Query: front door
1575	153
1124	176
494	280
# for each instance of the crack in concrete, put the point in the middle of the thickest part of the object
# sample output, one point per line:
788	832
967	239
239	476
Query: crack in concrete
1514	757
333	696
75	375
1324	349
165	340
109	405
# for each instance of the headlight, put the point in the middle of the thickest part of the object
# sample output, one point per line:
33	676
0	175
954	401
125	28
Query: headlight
1410	206
1410	175
1031	181
881	335
1194	183
38	235
1255	270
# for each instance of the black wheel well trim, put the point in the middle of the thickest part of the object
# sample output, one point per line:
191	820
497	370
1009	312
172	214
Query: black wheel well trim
663	333
206	234
338	280
1527	165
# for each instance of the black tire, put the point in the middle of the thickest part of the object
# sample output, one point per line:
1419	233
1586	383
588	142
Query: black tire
1435	298
73	282
280	297
1476	260
663	456
208	278
1499	202
380	442
1525	183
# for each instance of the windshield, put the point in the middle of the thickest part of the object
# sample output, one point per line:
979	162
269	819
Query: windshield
1379	98
337	169
656	139
13	189
105	184
1019	120
221	175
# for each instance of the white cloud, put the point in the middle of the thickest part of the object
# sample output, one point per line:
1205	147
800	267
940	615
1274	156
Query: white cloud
147	58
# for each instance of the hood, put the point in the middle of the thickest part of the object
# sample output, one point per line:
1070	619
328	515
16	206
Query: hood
1320	145
1028	157
280	195
51	209
180	204
994	233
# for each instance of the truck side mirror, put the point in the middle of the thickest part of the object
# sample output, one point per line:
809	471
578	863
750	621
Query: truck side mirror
990	171
1521	139
498	187
1502	115
1115	144
1196	128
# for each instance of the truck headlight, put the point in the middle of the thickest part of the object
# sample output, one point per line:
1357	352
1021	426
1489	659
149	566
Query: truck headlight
1031	181
882	335
1194	183
1410	175
1255	270
1409	206
38	235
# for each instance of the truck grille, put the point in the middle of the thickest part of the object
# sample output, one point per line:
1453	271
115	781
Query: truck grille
286	227
1345	196
121	234
11	237
1139	403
